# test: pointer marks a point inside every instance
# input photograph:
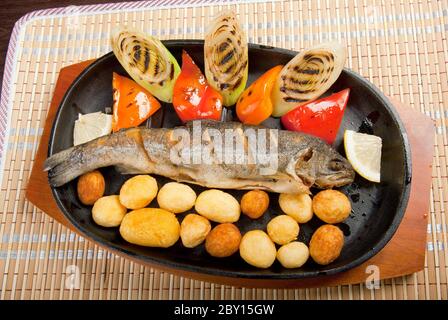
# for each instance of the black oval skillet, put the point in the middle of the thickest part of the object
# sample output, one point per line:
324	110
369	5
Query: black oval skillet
377	208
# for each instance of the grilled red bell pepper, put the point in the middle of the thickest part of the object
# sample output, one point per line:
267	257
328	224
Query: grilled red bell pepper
193	97
320	118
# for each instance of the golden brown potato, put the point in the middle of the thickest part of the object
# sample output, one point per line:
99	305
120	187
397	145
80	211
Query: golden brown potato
326	244
193	230
223	240
176	197
298	206
150	227
293	254
108	211
90	187
283	229
331	206
138	191
218	206
257	249
254	203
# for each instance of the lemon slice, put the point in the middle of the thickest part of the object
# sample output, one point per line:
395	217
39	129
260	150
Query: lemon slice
91	126
364	153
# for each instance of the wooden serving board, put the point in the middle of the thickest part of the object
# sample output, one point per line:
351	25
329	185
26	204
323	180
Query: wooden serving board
404	254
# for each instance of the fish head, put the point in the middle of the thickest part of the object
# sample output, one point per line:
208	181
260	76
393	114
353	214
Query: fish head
323	167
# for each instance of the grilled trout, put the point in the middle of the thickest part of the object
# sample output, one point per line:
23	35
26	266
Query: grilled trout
228	155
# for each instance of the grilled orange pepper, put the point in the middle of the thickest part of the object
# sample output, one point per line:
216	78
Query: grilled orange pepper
255	105
133	104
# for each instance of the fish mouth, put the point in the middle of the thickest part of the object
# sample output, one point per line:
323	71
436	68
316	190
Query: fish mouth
335	180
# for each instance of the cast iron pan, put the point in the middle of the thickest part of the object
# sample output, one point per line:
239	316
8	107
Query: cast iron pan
377	208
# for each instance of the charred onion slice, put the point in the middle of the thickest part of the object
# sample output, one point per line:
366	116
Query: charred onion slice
147	61
307	76
226	57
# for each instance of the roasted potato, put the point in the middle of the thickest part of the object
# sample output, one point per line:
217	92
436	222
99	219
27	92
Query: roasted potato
150	227
257	249
108	211
331	206
218	206
138	191
326	244
176	197
297	206
193	230
223	240
91	187
293	254
283	229
254	203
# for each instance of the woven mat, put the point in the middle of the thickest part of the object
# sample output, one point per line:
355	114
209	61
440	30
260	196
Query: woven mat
401	46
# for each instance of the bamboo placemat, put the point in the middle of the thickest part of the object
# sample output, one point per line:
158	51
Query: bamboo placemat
401	46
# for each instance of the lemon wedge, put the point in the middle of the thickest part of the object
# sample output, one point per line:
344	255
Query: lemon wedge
91	126
363	151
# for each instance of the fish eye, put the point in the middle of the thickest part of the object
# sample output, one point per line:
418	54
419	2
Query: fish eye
336	165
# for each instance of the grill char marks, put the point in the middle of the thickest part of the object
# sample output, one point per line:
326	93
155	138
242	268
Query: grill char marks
137	53
305	78
223	46
288	99
230	62
298	81
315	59
171	71
227	52
156	67
151	64
238	80
308	71
147	60
229	68
228	56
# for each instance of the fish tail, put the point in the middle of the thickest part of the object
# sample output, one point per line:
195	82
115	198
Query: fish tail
56	159
64	166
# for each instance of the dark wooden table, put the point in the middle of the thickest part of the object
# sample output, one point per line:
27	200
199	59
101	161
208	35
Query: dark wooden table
12	10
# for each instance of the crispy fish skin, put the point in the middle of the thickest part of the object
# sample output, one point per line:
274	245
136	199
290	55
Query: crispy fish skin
302	160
